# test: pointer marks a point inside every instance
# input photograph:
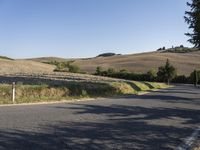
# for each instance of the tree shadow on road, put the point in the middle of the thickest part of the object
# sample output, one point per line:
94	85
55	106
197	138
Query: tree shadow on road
126	127
96	136
113	126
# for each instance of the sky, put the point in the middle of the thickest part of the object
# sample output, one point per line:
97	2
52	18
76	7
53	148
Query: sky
86	28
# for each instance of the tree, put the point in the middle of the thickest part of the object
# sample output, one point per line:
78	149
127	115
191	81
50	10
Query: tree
152	74
123	71
192	18
74	68
99	70
110	71
167	72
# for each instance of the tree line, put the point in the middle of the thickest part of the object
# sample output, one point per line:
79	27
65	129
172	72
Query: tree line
66	66
166	73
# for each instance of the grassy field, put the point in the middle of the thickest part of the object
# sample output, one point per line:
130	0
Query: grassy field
8	66
140	63
55	87
37	82
184	62
49	59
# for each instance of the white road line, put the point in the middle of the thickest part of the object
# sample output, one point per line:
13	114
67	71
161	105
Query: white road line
190	140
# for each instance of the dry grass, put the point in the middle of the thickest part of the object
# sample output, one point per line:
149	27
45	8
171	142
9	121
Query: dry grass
37	82
184	62
23	66
48	87
49	59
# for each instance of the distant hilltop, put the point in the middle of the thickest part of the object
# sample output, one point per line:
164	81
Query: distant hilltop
107	54
183	58
178	49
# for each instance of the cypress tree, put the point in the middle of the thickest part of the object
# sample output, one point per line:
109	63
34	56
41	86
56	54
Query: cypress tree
192	18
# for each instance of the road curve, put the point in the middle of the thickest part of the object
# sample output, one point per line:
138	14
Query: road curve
155	121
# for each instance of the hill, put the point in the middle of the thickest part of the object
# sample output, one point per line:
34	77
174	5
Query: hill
107	54
49	59
180	49
184	62
8	66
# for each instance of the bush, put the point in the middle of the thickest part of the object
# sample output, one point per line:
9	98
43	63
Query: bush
98	70
74	69
152	74
123	74
65	66
110	71
181	79
128	76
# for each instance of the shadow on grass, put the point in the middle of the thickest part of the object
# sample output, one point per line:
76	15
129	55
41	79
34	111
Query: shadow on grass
30	80
104	125
149	85
38	88
134	86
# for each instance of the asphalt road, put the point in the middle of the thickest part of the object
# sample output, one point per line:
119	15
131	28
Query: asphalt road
156	121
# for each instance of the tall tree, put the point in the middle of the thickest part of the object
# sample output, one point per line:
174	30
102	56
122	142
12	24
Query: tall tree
192	17
167	72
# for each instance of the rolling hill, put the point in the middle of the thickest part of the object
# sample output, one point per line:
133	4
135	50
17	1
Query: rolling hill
9	66
49	59
184	62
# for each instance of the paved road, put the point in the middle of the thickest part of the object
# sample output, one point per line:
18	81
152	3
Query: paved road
156	121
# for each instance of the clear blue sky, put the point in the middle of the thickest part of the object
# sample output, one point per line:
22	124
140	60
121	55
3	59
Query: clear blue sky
85	28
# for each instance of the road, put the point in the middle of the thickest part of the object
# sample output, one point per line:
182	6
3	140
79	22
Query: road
156	121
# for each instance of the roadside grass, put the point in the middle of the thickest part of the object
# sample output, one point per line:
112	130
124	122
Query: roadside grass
73	90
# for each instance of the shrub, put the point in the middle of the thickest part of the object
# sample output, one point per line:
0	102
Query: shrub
192	77
98	70
74	68
152	74
181	79
65	66
110	71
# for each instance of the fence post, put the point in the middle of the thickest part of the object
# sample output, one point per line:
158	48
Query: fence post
13	92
